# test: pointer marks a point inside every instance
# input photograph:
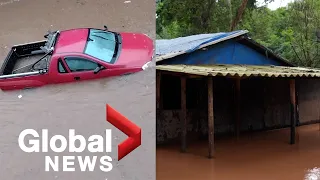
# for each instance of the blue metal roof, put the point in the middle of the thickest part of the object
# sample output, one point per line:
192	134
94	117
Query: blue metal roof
168	48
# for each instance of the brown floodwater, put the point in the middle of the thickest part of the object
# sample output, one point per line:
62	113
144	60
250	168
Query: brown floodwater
79	106
258	156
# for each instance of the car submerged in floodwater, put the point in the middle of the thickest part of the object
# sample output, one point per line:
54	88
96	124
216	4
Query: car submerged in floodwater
75	55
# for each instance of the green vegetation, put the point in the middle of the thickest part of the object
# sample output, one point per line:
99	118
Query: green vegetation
289	31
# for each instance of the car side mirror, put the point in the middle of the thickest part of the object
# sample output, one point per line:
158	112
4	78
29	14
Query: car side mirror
105	28
97	69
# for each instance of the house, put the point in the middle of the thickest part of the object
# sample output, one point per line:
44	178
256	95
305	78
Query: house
222	83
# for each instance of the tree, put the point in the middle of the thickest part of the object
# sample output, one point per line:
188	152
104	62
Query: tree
239	15
304	20
187	17
288	31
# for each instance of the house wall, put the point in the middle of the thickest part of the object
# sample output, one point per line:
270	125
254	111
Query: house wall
229	52
309	100
265	104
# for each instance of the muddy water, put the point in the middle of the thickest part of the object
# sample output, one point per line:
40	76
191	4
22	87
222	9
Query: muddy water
79	106
262	156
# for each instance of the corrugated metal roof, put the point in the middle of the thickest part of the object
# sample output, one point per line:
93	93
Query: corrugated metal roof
241	70
169	48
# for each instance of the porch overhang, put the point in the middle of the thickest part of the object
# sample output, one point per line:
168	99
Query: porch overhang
242	71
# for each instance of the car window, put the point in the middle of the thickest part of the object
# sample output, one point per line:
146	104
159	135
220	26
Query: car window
61	67
79	64
101	45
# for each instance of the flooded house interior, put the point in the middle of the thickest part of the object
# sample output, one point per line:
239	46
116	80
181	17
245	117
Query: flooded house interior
252	117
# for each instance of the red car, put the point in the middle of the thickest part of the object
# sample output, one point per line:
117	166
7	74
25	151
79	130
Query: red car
75	55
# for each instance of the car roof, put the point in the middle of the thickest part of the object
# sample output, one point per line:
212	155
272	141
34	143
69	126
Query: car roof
71	41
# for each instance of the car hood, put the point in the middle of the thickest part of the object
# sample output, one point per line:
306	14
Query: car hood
136	50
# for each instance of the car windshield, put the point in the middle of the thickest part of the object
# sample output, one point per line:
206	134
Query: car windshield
101	44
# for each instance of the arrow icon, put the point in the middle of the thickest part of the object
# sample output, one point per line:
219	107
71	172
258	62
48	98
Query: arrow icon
126	126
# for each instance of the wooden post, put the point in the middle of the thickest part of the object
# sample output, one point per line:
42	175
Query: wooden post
238	106
210	117
293	106
158	92
297	112
183	115
297	107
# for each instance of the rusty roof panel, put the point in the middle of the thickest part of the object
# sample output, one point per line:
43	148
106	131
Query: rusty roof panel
241	70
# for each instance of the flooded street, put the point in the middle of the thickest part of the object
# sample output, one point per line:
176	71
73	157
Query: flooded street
262	156
79	106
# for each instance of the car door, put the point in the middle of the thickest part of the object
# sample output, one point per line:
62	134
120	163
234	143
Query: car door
81	68
64	74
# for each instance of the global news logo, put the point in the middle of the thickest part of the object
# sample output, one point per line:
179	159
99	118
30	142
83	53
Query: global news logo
93	144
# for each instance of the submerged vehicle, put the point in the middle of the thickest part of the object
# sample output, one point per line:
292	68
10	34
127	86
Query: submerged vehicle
75	55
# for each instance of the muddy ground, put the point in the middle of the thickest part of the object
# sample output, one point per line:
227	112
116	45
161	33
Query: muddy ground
80	106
